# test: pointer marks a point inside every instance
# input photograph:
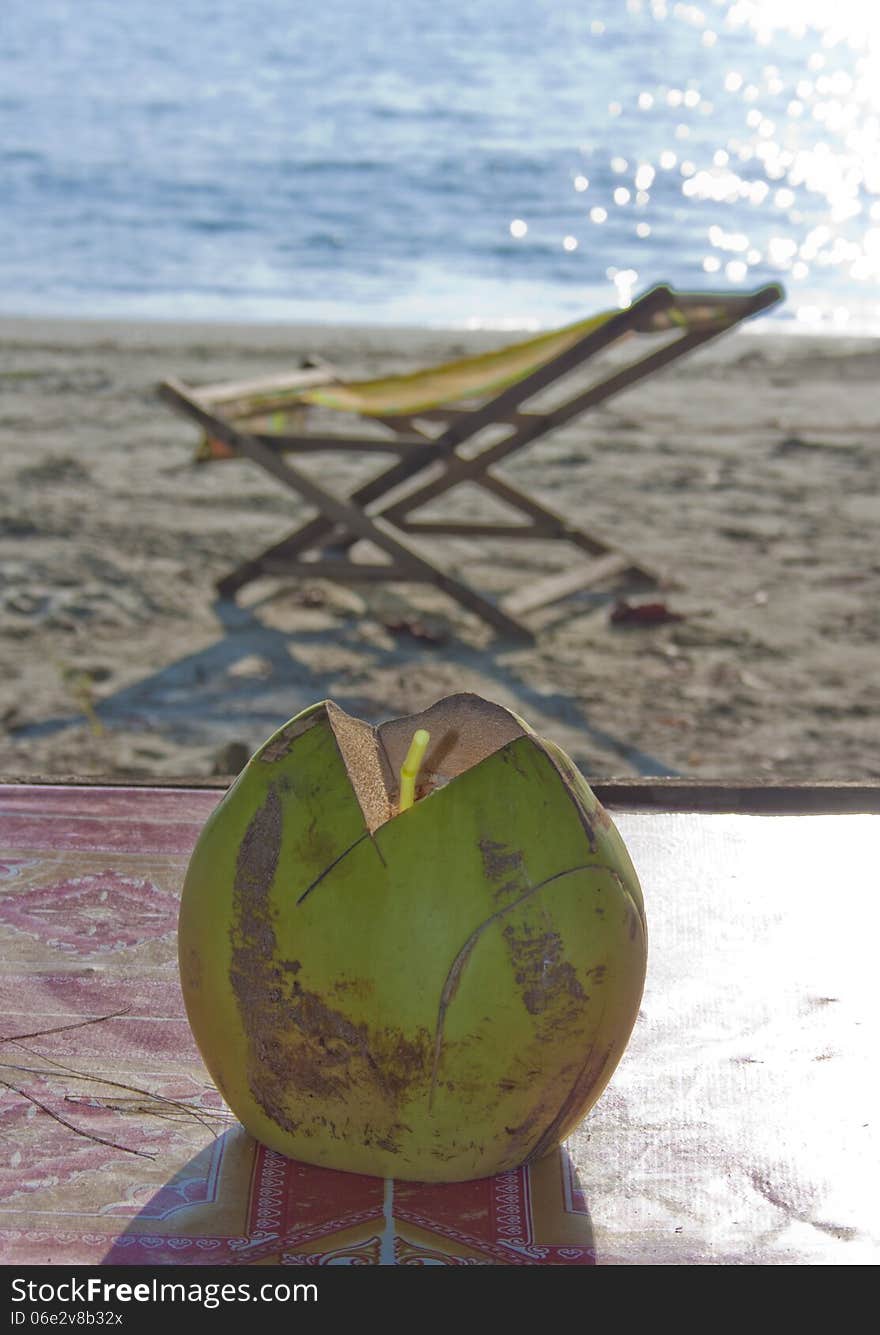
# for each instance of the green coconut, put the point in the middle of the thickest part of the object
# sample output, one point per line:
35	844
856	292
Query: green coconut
414	959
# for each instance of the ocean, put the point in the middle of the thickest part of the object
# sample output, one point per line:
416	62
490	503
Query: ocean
441	163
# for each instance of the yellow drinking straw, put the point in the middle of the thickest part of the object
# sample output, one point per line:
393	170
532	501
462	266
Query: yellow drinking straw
409	771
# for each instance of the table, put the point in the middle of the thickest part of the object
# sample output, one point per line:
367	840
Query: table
738	1129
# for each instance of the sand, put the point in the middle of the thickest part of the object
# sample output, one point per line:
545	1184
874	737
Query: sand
749	474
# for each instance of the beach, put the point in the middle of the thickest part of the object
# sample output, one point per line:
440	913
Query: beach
747	473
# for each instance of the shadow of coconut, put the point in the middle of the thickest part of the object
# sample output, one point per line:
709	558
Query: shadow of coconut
237	1203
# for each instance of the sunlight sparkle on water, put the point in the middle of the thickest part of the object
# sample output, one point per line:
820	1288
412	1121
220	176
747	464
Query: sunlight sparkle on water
802	83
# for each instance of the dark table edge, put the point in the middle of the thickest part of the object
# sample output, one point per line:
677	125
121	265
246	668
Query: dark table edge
628	793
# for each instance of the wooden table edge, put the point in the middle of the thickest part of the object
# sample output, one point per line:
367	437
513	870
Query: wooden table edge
648	794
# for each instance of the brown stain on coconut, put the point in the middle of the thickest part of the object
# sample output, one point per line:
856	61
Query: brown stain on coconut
299	1048
547	982
503	868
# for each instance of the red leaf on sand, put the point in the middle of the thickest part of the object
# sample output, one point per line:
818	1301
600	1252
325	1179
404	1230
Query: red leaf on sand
642	614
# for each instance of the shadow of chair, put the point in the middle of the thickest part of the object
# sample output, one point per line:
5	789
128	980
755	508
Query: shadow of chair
200	700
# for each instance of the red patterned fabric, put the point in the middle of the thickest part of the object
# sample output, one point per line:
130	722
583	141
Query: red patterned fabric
117	1147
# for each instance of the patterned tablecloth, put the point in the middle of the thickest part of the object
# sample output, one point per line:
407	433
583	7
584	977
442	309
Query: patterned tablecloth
737	1128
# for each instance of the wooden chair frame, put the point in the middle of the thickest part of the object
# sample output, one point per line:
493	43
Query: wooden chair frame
222	411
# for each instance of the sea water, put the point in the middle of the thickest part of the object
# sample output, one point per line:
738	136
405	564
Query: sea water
508	163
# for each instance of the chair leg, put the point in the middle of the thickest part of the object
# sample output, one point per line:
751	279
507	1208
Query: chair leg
320	528
412	567
289	547
319	531
338	513
554	525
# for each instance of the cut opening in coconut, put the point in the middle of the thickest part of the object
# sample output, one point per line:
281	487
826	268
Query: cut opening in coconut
464	730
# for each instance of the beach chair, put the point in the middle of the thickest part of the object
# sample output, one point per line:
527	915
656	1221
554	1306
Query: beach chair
437	421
